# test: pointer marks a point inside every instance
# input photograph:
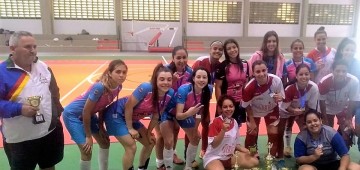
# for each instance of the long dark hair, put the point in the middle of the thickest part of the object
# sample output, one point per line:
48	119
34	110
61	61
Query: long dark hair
295	41
155	93
339	62
298	68
224	97
105	76
266	37
172	65
227	57
205	94
344	42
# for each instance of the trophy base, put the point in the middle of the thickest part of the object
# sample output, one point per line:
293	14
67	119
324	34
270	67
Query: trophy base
38	119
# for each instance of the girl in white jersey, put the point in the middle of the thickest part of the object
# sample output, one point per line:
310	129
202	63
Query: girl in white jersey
339	92
261	97
223	141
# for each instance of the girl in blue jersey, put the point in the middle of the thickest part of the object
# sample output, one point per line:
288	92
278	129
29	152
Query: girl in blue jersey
81	121
122	118
192	103
181	75
319	146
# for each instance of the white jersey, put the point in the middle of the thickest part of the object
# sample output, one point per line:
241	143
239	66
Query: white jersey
297	98
228	144
260	96
337	98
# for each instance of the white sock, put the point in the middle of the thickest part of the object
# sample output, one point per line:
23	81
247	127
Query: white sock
141	169
288	138
159	162
85	165
103	159
190	154
168	158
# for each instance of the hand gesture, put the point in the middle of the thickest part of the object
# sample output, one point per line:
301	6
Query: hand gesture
87	148
28	110
134	133
277	97
318	152
298	111
319	64
177	76
226	126
195	109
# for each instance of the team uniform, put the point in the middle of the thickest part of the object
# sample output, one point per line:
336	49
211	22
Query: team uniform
226	149
290	67
115	113
259	98
297	98
27	144
270	63
187	96
72	114
327	59
233	82
205	62
333	146
185	77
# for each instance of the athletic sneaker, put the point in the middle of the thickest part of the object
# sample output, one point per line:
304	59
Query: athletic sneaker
162	167
177	160
187	168
195	164
288	152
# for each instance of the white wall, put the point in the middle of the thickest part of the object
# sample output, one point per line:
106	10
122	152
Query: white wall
214	29
283	30
31	25
144	31
331	30
94	27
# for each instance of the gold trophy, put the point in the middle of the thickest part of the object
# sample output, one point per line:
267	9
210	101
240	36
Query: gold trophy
34	101
236	166
269	159
253	150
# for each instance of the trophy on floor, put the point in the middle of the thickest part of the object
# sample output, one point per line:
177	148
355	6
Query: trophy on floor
269	159
34	101
253	150
236	166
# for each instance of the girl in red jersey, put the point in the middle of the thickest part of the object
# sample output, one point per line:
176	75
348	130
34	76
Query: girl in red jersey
261	97
223	141
322	55
300	96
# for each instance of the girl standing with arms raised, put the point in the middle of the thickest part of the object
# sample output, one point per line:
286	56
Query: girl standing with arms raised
231	76
269	53
322	55
122	118
81	121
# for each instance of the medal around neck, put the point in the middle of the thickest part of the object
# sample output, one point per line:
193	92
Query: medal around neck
34	101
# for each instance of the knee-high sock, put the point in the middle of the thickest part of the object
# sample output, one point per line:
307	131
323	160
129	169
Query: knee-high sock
190	154
103	158
288	134
168	158
159	162
85	165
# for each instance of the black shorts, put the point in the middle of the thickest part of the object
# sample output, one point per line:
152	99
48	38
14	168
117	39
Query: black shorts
46	151
334	165
239	114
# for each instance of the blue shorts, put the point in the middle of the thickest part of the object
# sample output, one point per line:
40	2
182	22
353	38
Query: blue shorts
75	126
166	116
117	126
357	115
189	122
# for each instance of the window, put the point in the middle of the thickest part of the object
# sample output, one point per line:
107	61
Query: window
151	10
84	9
330	14
214	11
274	13
21	9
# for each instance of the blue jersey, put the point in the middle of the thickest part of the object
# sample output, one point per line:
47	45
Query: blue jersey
290	67
333	145
96	93
143	94
186	96
185	78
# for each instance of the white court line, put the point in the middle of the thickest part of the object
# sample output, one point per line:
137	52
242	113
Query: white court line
164	60
82	82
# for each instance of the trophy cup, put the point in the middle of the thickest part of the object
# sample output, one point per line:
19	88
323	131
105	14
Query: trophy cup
253	150
236	166
269	159
34	101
